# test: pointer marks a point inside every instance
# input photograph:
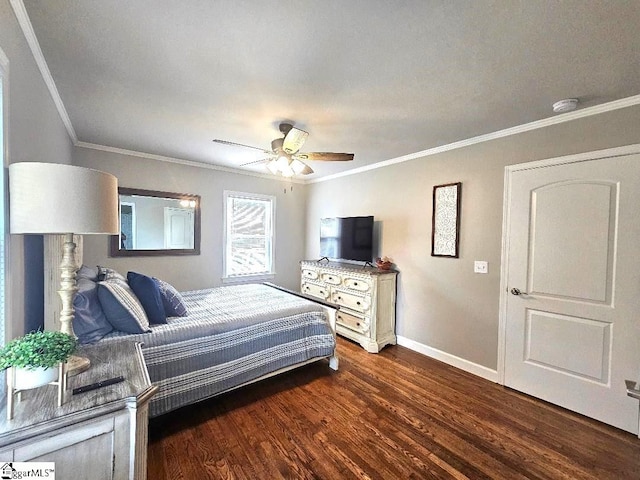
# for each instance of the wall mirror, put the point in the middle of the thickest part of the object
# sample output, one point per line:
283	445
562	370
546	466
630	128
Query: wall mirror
156	223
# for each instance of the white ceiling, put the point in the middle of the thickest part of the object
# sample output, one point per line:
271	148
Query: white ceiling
380	79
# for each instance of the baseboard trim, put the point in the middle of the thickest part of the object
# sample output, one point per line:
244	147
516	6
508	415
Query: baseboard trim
454	361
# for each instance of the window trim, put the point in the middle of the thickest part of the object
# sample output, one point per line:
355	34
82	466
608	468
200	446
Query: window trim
225	244
8	326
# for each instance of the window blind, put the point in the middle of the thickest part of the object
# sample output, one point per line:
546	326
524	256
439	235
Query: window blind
249	236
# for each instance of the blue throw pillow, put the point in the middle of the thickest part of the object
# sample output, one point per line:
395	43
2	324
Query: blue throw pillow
148	293
88	273
121	307
173	302
89	321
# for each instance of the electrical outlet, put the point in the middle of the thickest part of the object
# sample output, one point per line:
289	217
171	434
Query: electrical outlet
480	266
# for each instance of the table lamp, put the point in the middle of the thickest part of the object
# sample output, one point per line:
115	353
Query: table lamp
52	198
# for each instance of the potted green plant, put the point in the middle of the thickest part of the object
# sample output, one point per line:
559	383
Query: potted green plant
36	356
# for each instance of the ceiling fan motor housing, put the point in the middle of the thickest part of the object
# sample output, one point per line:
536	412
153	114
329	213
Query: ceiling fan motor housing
285	127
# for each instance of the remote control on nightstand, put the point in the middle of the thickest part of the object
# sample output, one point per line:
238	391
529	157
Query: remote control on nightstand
94	386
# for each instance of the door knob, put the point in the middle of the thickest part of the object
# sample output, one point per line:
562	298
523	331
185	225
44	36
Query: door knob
517	291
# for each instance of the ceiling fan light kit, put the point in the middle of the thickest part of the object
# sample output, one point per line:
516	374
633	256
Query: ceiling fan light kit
272	166
283	161
287	166
283	164
300	168
284	157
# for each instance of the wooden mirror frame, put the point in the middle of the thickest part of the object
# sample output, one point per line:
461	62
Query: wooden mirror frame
114	240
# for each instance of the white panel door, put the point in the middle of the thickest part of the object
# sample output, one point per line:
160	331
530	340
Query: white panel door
573	312
178	228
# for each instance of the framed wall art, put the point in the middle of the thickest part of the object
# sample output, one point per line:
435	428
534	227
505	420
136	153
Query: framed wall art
445	222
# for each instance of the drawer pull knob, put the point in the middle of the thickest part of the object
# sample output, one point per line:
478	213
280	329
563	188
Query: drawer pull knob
357	303
355	283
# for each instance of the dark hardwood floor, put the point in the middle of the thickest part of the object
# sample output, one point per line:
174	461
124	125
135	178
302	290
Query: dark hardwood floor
397	414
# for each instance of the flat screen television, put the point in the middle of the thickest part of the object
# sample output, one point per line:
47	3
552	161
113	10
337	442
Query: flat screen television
349	238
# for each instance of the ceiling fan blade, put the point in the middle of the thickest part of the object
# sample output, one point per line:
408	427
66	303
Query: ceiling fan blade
234	144
255	162
326	156
294	139
307	170
300	168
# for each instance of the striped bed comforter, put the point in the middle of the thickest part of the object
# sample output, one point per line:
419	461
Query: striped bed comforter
233	335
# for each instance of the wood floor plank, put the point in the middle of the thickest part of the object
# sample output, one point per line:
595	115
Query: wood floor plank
396	414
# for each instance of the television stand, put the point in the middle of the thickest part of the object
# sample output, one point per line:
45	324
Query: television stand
368	264
324	258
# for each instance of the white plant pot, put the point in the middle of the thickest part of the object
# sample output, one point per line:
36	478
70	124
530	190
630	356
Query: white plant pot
25	379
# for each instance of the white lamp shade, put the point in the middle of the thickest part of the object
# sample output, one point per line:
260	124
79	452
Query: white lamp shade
60	199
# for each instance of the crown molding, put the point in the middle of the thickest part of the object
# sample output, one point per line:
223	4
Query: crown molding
27	29
527	127
180	161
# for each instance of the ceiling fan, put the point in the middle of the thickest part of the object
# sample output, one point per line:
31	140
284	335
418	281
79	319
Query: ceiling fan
285	156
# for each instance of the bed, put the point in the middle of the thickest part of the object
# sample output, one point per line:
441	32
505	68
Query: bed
233	336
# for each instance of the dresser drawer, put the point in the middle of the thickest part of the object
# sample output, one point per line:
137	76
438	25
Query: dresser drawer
355	283
314	290
353	322
331	278
310	274
352	301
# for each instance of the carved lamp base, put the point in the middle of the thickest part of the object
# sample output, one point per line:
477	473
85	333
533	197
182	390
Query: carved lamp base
68	289
76	365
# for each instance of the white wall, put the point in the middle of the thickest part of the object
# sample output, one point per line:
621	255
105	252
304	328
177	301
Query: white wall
442	304
36	133
204	270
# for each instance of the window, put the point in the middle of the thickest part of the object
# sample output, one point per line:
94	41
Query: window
249	235
4	111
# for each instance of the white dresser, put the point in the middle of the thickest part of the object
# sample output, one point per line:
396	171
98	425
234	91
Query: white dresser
366	297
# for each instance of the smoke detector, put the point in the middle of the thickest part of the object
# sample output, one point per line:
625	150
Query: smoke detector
566	105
